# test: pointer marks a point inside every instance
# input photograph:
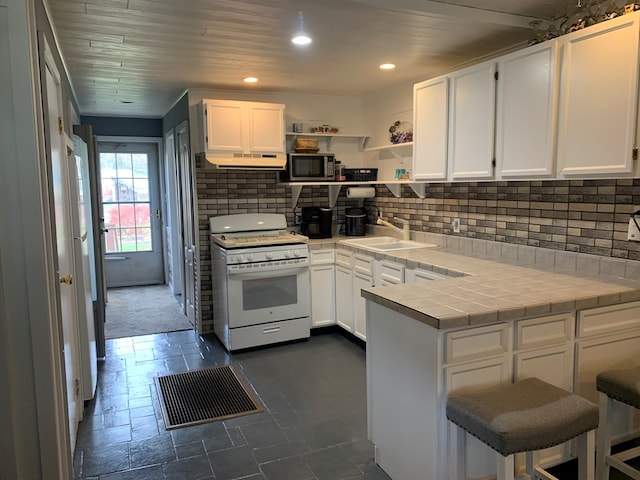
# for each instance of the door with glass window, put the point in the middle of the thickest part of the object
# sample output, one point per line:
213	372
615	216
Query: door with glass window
130	196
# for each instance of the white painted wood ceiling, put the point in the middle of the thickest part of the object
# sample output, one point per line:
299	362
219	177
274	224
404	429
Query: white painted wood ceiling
136	57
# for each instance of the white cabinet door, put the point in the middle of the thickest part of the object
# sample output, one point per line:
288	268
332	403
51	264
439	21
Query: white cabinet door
323	301
360	281
223	126
243	127
430	125
266	123
599	99
344	298
472	94
526	115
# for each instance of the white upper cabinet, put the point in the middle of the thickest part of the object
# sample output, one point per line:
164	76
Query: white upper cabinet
472	100
599	99
430	125
526	112
243	127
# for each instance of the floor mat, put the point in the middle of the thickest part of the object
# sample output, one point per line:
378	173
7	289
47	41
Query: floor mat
202	396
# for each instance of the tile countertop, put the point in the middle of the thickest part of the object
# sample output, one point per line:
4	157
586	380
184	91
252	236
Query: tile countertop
482	291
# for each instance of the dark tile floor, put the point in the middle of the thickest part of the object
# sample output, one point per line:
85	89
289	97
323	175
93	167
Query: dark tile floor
314	426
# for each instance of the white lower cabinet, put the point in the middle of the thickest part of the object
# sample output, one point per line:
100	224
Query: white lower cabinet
608	337
499	354
362	278
323	287
344	294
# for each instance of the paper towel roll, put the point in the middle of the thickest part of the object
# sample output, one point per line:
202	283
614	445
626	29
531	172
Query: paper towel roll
361	192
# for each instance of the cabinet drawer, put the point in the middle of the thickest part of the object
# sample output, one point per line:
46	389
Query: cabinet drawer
605	320
483	342
389	273
319	257
343	258
550	330
363	264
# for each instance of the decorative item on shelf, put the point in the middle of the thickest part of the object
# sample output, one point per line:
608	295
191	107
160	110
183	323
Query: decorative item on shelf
296	128
402	174
325	129
401	132
579	14
306	145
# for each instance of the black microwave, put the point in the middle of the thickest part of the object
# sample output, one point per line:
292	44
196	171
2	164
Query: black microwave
309	167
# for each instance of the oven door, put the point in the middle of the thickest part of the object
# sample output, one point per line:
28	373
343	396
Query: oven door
268	295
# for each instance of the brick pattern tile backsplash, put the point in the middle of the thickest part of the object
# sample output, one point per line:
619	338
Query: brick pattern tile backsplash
585	216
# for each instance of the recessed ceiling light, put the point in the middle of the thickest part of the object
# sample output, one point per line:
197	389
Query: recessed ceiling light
387	66
249	79
301	37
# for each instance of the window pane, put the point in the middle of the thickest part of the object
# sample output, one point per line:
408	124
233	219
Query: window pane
125	199
139	165
124	164
143	215
141	190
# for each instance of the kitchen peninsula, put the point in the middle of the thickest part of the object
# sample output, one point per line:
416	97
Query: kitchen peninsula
491	323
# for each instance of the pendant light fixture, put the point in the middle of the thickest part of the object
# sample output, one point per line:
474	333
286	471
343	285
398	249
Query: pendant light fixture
301	37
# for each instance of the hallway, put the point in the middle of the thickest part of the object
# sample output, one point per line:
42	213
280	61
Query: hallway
146	310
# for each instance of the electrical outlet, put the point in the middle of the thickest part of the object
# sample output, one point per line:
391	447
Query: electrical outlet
634	233
455	223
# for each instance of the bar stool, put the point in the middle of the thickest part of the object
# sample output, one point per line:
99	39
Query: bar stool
525	416
621	385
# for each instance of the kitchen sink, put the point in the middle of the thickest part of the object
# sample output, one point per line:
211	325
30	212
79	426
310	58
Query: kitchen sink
386	244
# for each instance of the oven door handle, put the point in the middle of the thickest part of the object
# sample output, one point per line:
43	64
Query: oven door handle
267	274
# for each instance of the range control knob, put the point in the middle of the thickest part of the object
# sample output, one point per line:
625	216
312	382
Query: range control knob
249	257
269	255
287	254
296	253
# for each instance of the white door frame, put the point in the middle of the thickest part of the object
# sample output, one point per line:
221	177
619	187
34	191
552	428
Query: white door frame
31	359
172	206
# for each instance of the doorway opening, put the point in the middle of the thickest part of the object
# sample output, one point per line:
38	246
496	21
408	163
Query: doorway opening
138	299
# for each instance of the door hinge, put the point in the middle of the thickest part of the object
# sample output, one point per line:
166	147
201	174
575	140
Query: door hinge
77	387
493	163
634	154
60	125
495	75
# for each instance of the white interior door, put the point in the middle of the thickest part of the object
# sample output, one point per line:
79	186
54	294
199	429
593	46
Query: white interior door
130	183
64	241
85	262
185	173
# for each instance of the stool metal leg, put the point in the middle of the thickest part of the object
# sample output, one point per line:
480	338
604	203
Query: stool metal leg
604	436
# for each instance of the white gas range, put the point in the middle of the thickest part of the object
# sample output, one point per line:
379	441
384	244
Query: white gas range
260	274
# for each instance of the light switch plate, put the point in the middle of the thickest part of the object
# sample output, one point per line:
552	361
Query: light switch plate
633	233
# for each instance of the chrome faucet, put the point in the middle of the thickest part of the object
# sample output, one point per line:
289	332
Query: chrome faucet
406	233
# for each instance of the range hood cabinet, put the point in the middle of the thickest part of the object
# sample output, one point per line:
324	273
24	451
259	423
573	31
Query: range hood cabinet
247	161
243	135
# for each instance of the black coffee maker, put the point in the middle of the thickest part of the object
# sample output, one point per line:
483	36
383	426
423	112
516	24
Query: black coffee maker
316	222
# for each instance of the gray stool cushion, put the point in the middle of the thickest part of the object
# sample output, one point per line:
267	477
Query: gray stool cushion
525	416
621	384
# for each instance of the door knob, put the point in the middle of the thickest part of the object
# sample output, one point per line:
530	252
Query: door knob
68	279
